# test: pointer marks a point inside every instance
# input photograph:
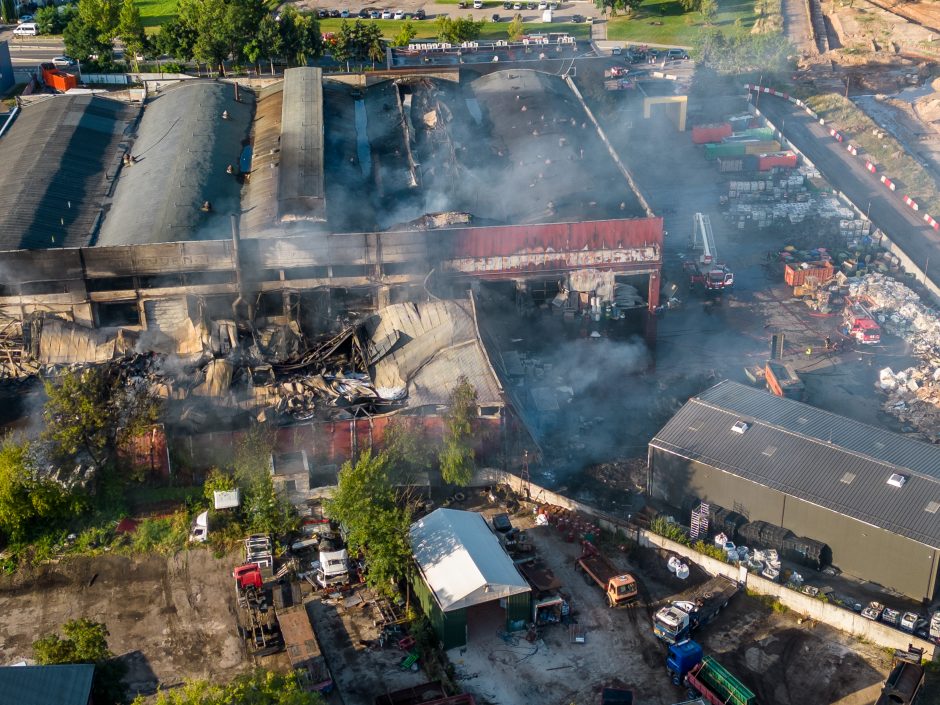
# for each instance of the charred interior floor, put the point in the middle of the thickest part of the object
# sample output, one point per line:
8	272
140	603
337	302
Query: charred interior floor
511	147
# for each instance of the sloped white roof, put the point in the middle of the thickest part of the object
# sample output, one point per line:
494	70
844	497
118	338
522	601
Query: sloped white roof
462	561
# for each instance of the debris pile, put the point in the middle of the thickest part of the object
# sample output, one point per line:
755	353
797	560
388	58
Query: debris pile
914	393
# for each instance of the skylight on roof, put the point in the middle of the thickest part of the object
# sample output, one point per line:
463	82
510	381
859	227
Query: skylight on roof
847	478
897	480
932	507
770	450
879	445
802	419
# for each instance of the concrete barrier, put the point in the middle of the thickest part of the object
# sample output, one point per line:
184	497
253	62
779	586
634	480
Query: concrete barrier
813	608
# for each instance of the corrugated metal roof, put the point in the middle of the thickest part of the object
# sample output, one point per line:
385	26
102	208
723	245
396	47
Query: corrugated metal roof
68	684
183	147
434	343
461	560
58	157
817	456
260	211
300	186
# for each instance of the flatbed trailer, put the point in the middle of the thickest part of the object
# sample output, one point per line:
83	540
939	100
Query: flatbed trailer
303	649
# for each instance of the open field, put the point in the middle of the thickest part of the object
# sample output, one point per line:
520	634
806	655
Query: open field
170	619
154	13
665	22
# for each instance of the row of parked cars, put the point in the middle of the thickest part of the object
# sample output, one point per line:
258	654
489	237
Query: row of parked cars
370	13
641	54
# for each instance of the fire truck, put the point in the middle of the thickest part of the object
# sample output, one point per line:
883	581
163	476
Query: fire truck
705	271
858	322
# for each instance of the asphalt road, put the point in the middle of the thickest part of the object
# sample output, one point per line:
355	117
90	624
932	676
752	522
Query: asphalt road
847	173
28	52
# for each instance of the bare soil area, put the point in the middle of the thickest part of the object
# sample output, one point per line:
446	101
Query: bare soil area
170	618
769	651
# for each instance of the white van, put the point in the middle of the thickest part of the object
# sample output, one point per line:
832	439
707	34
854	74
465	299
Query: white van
27	29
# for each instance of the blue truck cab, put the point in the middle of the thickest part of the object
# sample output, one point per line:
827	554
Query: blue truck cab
682	658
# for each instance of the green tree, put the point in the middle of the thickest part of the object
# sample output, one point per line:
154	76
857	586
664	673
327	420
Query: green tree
52	19
101	16
131	31
93	411
26	500
690	5
516	28
8	11
709	9
85	641
267	44
83	41
176	39
463	29
208	19
409	449
457	455
405	35
242	20
367	505
628	6
257	688
344	45
265	510
310	44
217	481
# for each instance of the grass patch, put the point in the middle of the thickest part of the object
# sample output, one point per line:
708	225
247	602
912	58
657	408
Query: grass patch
665	22
890	157
154	13
427	29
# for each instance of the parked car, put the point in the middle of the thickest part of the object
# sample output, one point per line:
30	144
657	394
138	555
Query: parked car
375	14
420	14
477	4
27	29
495	17
543	5
577	18
517	6
334	13
323	12
63	61
344	14
386	14
677	55
399	15
507	5
502	523
530	6
553	6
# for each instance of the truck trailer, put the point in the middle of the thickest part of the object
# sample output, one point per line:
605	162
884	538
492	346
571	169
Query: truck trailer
704	677
620	588
677	621
906	679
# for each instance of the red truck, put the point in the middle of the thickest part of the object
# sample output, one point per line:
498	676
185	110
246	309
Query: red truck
859	323
620	588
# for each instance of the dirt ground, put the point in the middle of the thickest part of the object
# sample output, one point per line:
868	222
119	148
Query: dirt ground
770	652
171	619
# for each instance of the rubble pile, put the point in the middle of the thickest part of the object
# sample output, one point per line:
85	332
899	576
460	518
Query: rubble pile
914	393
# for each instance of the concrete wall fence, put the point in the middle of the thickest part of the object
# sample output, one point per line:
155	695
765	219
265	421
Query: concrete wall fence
823	612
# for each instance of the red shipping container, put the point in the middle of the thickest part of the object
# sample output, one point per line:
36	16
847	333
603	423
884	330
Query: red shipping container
786	160
59	80
703	134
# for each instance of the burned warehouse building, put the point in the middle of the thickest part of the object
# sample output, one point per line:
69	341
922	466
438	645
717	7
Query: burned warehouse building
310	200
791	470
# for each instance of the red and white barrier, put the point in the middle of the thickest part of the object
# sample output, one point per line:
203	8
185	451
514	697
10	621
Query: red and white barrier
931	222
912	203
887	182
870	167
852	149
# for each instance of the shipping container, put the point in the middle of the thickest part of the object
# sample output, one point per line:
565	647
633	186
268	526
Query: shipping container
725	149
58	80
762	147
703	134
796	275
730	165
784	160
782	380
757	133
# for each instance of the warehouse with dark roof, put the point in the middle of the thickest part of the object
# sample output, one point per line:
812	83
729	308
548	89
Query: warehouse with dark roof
871	495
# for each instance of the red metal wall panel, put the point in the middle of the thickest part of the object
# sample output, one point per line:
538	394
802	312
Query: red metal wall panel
703	134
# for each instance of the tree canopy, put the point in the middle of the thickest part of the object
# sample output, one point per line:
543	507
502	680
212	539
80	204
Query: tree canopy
456	31
457	456
265	510
25	499
256	688
85	641
376	518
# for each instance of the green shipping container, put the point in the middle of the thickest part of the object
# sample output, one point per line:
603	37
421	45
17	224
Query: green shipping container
757	133
725	149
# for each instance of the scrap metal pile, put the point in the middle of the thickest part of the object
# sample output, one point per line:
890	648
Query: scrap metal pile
914	393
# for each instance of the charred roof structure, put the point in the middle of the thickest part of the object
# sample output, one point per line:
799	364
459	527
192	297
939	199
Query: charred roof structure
60	157
286	181
178	186
871	495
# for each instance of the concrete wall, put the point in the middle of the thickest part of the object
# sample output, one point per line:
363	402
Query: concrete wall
858	548
823	612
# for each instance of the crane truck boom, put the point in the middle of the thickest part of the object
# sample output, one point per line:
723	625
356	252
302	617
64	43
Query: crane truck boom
706	270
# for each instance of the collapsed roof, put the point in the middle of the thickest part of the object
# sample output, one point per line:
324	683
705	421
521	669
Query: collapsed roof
419	350
183	148
59	158
461	560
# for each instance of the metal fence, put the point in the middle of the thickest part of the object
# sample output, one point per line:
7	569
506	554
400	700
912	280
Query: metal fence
116	79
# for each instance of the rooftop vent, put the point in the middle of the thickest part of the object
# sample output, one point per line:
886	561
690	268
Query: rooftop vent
770	450
932	507
740	427
879	445
802	420
897	480
847	478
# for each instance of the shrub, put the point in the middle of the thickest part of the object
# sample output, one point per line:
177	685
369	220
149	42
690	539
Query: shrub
669	529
